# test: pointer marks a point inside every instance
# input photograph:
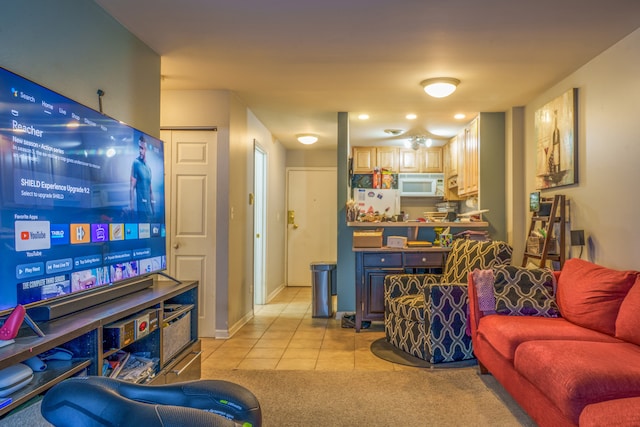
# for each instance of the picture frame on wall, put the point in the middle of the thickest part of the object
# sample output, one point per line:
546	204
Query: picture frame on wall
556	132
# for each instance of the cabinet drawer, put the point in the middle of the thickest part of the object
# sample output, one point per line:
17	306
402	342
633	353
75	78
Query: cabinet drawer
423	259
386	260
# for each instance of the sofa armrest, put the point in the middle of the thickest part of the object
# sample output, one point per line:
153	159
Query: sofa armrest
396	285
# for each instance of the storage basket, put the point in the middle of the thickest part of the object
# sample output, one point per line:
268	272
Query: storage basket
176	335
535	245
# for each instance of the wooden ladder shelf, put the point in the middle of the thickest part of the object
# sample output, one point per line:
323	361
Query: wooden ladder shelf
540	250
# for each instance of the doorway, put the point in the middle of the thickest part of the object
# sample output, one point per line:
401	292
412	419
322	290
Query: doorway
311	221
259	223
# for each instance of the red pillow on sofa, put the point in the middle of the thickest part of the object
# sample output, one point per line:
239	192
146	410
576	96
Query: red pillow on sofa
628	321
590	295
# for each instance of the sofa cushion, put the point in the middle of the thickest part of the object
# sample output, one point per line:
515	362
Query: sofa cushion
628	321
506	333
408	307
521	291
574	374
590	295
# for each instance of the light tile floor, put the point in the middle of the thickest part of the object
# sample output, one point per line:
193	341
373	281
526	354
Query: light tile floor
284	335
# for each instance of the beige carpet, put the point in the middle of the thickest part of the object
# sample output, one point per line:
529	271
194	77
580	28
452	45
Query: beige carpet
421	397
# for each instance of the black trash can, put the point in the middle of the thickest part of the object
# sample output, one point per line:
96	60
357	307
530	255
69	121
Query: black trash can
322	287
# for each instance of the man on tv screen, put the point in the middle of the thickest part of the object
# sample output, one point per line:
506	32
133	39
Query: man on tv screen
141	183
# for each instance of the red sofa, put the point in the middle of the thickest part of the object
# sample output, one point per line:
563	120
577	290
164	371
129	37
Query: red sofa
580	368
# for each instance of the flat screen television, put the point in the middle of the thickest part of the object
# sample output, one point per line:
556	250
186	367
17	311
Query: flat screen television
81	199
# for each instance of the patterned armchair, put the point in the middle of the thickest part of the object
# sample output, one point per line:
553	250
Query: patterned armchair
425	315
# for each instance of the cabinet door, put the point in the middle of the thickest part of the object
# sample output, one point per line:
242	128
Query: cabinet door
387	158
409	160
364	159
373	301
431	159
471	159
462	171
453	156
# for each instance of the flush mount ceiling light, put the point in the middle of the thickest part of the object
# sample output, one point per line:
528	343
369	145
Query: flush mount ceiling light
307	139
394	132
440	87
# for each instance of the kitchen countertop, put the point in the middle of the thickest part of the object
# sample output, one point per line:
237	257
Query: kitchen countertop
476	224
414	249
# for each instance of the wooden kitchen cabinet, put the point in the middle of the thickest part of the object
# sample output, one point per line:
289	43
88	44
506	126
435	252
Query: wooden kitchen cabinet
431	160
409	160
451	160
387	158
468	147
364	159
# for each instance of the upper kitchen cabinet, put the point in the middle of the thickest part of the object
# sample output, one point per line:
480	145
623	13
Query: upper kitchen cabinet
387	158
451	157
425	160
364	159
468	146
431	159
409	160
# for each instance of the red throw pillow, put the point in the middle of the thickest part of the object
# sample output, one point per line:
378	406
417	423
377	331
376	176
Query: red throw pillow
628	321
590	295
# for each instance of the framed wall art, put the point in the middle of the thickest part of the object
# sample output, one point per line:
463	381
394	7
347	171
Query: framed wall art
556	130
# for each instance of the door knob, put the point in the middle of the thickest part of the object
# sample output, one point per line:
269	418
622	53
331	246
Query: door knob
176	245
257	235
295	226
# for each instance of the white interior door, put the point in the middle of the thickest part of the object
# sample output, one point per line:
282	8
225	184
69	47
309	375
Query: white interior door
259	220
192	216
311	235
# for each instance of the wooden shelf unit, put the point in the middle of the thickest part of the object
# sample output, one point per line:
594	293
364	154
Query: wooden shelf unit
557	216
82	334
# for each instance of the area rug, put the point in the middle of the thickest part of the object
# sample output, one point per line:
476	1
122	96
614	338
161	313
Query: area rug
420	397
390	353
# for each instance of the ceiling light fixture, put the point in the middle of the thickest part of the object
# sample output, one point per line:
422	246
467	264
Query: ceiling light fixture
417	140
440	87
308	139
411	116
363	116
394	132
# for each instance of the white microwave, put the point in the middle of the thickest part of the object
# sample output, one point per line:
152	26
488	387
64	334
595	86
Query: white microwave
421	184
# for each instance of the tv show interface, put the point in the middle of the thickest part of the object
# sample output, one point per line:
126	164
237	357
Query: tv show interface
81	196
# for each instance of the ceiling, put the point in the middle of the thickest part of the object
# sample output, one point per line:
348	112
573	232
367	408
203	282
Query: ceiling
296	63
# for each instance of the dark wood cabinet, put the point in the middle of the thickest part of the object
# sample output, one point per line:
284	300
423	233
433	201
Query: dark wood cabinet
82	333
373	265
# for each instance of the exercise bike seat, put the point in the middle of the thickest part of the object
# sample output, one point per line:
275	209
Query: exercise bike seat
100	401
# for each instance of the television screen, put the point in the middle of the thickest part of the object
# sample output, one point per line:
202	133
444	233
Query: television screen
81	197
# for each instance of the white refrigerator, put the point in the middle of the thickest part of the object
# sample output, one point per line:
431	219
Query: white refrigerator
371	200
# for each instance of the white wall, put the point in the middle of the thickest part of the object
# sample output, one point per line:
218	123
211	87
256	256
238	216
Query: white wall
275	204
604	203
237	128
75	48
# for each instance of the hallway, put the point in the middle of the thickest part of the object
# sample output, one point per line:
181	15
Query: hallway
284	336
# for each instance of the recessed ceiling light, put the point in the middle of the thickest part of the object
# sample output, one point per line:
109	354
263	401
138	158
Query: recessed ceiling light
459	116
308	139
411	116
363	117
